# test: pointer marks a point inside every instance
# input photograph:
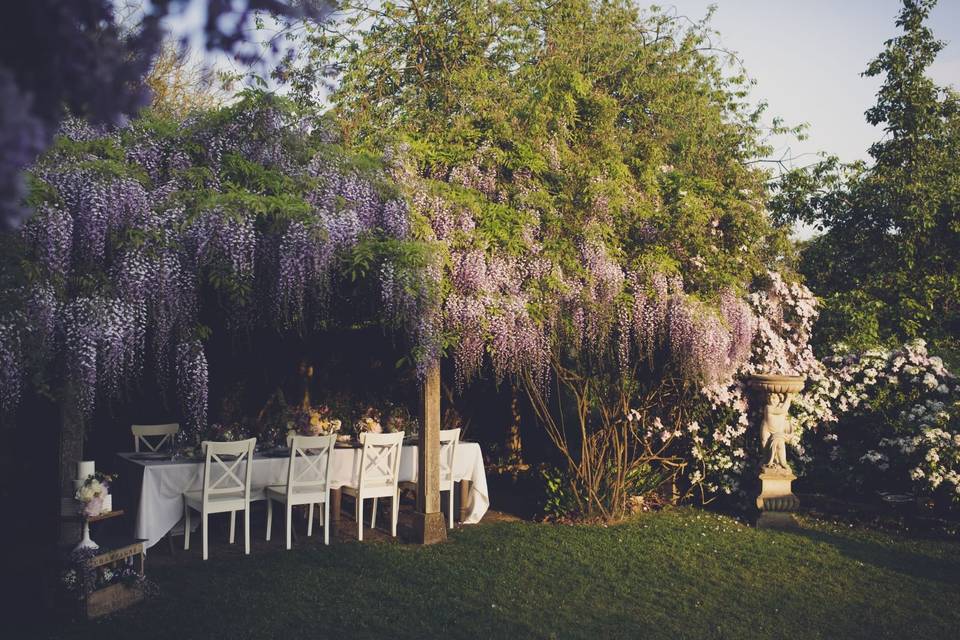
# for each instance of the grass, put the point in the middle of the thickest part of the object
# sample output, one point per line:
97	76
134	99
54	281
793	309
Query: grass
682	573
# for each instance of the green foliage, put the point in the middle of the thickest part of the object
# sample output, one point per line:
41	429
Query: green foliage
602	140
581	113
887	261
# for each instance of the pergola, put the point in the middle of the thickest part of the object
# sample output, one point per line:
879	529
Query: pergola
429	523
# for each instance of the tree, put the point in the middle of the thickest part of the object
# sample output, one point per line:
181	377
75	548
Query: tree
180	86
888	260
587	169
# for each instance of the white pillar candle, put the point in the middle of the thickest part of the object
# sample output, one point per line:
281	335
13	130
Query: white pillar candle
84	469
107	503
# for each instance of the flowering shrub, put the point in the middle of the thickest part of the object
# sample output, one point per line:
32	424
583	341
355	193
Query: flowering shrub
898	426
711	437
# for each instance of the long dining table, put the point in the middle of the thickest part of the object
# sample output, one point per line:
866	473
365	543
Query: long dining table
165	480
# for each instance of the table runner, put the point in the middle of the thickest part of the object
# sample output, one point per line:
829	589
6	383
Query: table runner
165	481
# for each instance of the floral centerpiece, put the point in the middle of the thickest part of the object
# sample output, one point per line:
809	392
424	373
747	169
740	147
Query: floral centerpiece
314	421
369	422
400	420
226	432
191	445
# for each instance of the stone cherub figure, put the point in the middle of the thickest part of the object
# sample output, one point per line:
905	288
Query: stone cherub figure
775	432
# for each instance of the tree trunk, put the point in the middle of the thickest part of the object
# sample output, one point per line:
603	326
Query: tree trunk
514	444
71	452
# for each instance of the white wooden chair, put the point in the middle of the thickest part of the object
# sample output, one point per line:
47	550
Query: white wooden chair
228	492
379	475
448	451
307	482
141	433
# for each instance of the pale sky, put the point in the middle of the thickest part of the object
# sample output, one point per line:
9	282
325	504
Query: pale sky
806	58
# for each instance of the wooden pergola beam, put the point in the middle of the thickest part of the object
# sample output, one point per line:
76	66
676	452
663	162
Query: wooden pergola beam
429	523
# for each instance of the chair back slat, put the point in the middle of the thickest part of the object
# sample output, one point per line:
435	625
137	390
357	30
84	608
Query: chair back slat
380	459
143	432
222	467
448	451
310	462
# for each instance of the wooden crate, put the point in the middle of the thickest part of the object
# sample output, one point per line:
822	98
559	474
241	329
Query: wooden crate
118	595
111	598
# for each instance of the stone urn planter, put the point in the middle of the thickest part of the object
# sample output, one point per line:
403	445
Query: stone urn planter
776	501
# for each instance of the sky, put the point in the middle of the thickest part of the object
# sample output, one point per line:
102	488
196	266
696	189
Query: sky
806	58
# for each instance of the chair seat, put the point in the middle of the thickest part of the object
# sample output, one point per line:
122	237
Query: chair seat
385	490
301	495
216	503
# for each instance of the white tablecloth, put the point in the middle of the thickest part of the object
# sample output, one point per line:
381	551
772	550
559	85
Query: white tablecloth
164	482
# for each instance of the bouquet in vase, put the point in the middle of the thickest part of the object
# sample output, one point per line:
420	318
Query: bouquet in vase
314	421
400	420
369	422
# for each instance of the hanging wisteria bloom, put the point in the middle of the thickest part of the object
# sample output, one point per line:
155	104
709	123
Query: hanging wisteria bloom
192	376
11	365
125	246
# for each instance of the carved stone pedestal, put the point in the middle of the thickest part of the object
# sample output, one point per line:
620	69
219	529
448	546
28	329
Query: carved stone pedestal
776	502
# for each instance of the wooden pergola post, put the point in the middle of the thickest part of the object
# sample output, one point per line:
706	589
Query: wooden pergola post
429	523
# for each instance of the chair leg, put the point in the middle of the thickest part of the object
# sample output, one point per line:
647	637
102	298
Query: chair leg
326	524
269	518
203	525
373	517
395	504
186	526
359	514
233	525
246	530
310	519
289	523
450	506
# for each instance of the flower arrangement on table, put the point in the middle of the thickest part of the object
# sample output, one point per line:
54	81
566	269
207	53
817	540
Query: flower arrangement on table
227	432
313	421
369	422
93	492
400	420
191	446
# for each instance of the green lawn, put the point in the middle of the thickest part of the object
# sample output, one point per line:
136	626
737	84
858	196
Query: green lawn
683	573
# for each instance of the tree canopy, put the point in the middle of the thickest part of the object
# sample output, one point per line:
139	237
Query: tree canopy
886	262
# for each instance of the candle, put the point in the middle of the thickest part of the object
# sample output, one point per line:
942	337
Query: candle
84	469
